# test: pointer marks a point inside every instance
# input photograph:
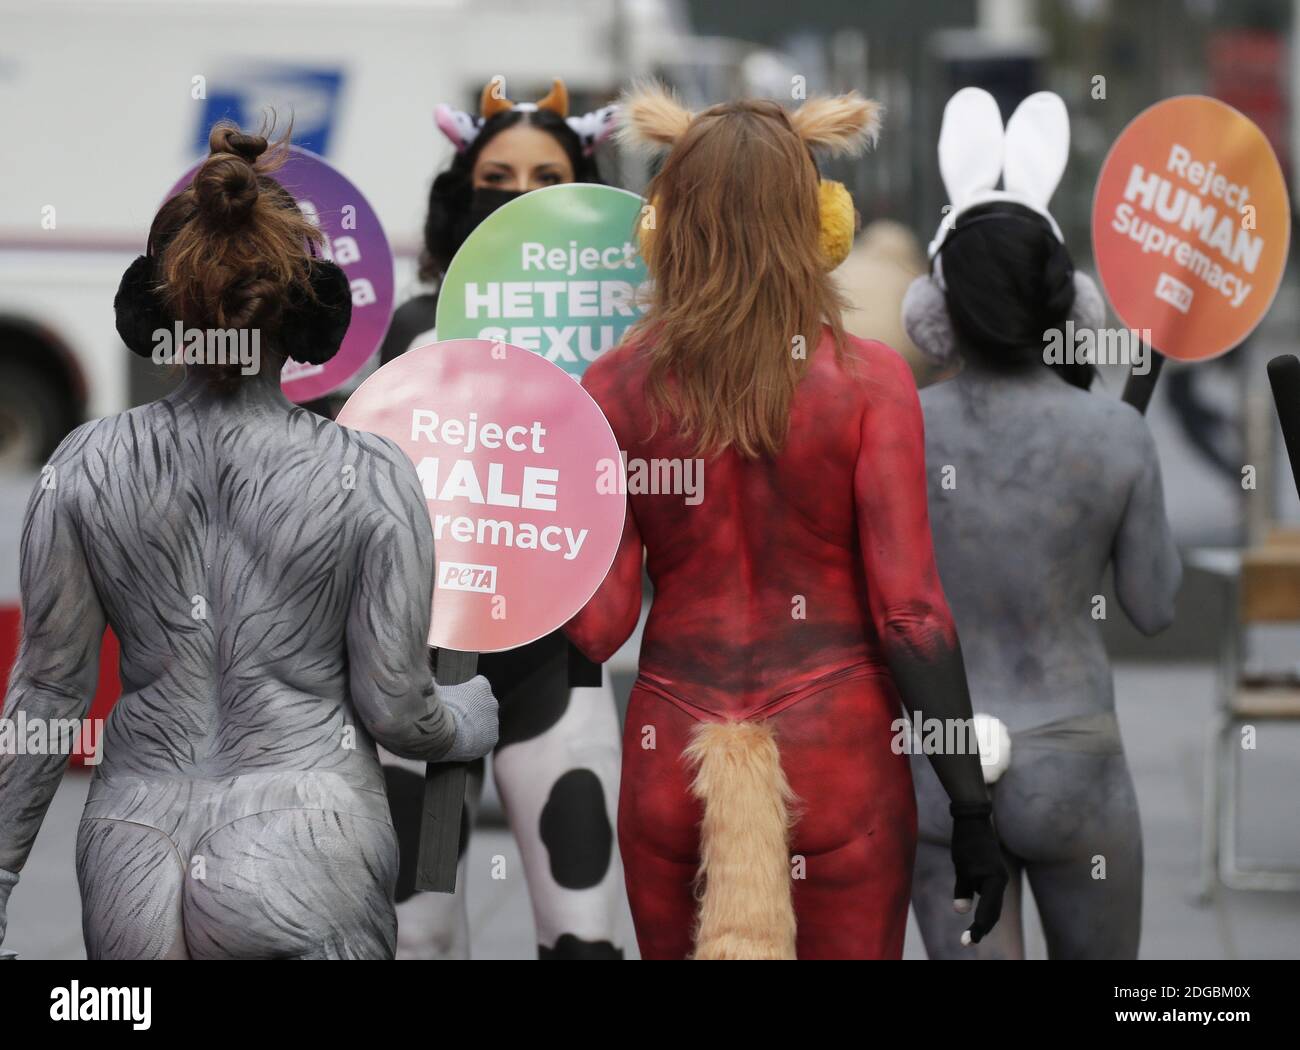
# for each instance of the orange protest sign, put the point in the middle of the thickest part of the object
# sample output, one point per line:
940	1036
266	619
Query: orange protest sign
1191	224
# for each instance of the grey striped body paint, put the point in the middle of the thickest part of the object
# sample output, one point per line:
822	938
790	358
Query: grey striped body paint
269	577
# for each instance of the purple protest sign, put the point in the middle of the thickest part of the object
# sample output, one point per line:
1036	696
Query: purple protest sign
355	240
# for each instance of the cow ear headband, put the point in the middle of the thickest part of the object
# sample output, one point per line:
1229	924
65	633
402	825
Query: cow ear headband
462	129
975	152
311	329
839	125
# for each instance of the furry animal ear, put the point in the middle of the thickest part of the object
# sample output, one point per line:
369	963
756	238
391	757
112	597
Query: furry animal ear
460	128
653	117
1029	154
595	127
839	124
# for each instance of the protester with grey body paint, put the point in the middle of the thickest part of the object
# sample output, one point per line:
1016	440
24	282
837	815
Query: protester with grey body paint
1037	486
269	577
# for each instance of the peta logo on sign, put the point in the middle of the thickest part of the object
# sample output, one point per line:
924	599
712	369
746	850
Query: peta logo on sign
457	576
1174	292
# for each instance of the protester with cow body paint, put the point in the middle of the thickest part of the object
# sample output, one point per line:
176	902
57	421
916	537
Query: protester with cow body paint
556	767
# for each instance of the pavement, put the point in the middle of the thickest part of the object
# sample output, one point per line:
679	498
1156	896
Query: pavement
1163	710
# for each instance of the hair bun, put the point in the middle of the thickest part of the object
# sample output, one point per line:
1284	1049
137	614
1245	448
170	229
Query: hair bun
227	138
226	186
226	189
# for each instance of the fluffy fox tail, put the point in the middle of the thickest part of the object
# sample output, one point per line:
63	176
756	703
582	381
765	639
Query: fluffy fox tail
746	904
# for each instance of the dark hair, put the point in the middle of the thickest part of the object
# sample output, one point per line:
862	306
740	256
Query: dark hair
1008	281
452	190
233	248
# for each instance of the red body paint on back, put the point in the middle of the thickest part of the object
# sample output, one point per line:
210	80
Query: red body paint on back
780	595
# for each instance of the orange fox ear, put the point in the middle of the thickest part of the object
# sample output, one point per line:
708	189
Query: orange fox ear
493	99
557	99
840	124
653	116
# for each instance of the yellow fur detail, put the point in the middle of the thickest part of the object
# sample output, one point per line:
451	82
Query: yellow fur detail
838	221
838	224
746	902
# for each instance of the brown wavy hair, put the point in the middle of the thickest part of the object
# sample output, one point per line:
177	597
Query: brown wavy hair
736	268
233	248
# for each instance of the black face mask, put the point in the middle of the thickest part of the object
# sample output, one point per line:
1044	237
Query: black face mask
482	204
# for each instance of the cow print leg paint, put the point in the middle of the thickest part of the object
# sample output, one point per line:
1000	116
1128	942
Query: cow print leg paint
560	791
556	769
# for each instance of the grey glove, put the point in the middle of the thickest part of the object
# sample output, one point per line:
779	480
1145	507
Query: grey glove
474	711
8	880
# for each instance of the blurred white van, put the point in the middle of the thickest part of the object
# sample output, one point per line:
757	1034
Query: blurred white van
104	104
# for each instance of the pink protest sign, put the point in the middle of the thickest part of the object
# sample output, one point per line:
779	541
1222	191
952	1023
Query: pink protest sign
355	240
523	479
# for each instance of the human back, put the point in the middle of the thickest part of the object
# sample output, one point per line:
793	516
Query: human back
796	597
762	560
230	594
1038	482
1030	479
269	578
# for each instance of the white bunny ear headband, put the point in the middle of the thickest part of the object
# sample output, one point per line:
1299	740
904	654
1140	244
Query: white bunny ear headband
462	129
975	151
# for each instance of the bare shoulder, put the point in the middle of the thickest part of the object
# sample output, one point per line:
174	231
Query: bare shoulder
384	475
613	370
1123	429
367	445
616	381
86	437
1106	421
130	441
877	371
